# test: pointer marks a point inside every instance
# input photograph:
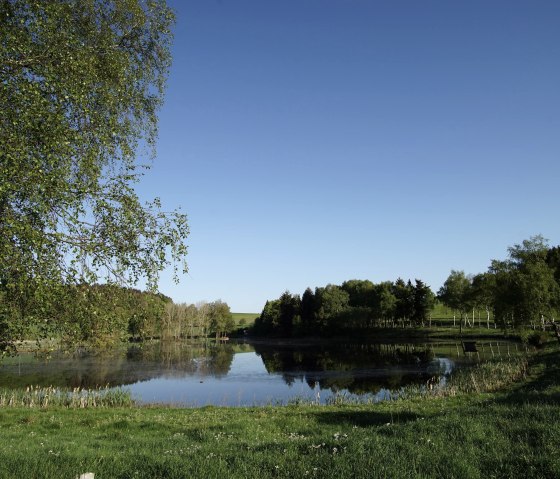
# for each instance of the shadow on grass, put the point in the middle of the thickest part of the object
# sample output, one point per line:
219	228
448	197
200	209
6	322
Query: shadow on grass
543	386
363	419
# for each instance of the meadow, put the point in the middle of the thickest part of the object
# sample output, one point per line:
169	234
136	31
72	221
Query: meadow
244	319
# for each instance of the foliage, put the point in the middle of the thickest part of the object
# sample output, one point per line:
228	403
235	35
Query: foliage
360	292
221	320
80	87
520	292
289	308
404	300
268	320
385	301
182	321
331	301
356	305
481	293
455	292
553	261
525	289
307	311
423	303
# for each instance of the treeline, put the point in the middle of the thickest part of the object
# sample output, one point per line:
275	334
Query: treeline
182	321
522	291
352	306
104	314
96	314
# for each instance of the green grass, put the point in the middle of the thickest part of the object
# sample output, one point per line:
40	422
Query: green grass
248	318
514	432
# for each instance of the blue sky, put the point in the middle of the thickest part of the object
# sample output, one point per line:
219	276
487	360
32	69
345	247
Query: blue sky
315	141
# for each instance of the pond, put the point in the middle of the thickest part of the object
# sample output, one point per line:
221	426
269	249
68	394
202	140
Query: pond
251	373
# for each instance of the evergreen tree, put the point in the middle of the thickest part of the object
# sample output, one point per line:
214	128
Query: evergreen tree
307	311
288	309
423	302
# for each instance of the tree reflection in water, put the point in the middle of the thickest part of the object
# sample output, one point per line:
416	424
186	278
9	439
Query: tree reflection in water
204	358
356	367
207	372
138	363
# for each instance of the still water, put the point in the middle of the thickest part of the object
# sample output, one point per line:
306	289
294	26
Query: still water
246	374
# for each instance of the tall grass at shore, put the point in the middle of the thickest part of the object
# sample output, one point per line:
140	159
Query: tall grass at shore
488	376
76	398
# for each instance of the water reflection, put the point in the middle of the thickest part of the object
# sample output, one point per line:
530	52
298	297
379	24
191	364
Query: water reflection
354	367
119	367
245	374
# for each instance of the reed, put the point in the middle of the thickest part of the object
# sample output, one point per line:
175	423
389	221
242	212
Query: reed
75	398
489	376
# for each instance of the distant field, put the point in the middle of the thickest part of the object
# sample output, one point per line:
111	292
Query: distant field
247	318
442	312
441	316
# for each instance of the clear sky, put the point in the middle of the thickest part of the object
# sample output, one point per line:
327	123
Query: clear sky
316	141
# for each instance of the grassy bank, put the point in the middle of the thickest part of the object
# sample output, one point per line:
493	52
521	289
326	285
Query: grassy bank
479	434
